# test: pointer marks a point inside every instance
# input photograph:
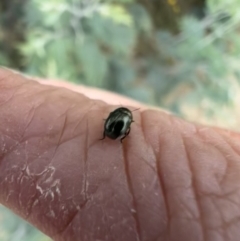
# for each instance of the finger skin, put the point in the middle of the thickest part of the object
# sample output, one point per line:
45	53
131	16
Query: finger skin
94	93
169	180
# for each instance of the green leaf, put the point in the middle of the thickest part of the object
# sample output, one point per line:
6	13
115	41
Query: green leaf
141	18
93	62
119	37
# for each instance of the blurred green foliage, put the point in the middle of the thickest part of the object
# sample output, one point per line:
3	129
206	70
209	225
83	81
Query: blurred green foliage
125	46
12	228
114	45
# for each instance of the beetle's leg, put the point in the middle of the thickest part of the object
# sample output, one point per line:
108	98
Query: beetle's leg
126	134
103	136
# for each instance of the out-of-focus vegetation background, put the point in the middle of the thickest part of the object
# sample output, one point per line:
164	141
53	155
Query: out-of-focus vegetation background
182	55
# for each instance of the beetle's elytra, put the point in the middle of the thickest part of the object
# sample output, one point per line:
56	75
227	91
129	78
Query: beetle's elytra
117	125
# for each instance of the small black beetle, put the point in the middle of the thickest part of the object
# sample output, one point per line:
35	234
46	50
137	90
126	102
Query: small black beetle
117	125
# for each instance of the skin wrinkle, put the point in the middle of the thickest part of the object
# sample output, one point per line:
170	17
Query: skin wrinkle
71	221
234	192
234	143
141	124
85	170
85	161
64	114
7	76
225	150
89	107
9	149
36	179
11	97
194	189
40	178
21	178
15	87
147	187
35	182
40	90
72	224
174	171
154	168
205	193
59	143
4	156
225	199
19	200
121	152
29	111
130	189
79	122
230	223
65	94
72	217
221	226
216	140
17	92
109	232
9	100
32	110
161	182
59	235
165	197
32	198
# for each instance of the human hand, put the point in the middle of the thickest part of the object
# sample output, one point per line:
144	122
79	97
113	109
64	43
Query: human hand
169	180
